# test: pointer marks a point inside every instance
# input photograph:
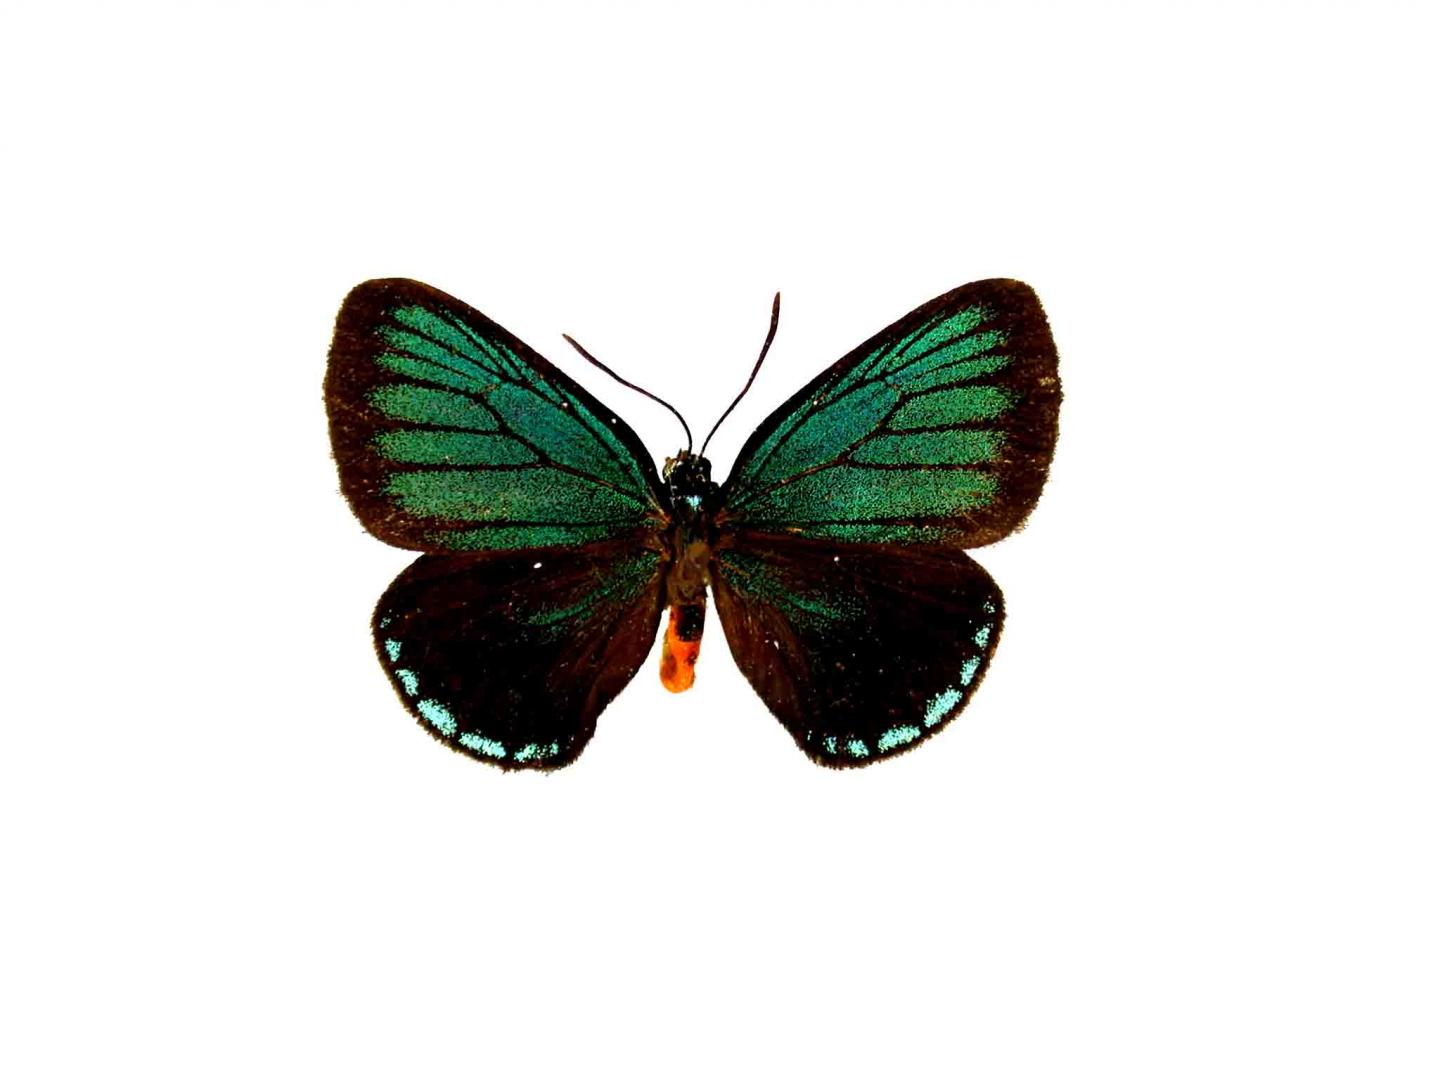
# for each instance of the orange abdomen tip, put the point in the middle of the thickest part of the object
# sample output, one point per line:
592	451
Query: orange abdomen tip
682	646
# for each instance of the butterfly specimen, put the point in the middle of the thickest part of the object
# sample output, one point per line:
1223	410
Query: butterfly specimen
834	551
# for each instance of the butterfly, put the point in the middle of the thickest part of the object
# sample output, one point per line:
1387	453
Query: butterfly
835	550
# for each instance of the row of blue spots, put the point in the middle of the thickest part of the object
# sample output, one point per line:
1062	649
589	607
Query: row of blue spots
900	735
941	705
938	708
441	719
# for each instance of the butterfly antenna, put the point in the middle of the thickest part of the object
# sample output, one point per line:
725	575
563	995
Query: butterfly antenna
774	324
689	439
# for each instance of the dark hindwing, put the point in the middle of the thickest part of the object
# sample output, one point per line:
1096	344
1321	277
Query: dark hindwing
862	651
510	657
452	435
939	430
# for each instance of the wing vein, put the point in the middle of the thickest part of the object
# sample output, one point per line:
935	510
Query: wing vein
837	389
482	398
557	396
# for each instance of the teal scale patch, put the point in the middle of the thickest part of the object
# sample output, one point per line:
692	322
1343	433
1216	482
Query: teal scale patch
941	705
437	716
897	736
408	680
536	752
481	745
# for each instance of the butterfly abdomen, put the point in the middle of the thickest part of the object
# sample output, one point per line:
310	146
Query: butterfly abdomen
682	646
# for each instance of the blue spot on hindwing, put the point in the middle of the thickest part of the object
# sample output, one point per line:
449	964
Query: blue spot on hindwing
536	752
409	680
940	705
897	736
480	744
438	716
392	649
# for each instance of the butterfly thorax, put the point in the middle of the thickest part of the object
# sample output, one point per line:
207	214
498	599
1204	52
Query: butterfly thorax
694	499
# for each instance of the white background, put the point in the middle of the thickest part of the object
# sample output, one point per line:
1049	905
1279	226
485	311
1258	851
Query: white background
1187	827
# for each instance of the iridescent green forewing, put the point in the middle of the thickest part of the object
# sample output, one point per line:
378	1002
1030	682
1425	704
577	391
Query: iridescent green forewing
838	570
453	435
539	507
938	430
